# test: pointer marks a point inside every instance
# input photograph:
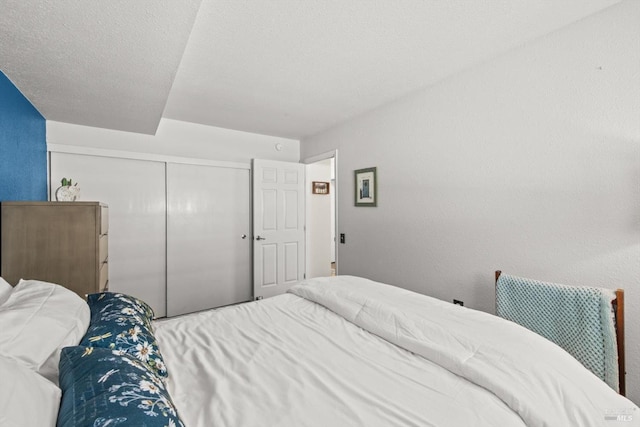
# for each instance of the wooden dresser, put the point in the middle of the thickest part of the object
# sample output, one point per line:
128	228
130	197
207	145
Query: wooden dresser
60	242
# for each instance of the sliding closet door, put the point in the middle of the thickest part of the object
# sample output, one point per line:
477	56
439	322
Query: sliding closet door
135	193
208	237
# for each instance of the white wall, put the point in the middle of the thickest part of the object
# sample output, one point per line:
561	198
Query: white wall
181	139
529	163
319	221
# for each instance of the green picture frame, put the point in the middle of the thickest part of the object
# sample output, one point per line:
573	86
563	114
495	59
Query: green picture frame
366	187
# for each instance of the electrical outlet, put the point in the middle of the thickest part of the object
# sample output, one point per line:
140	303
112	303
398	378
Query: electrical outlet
458	302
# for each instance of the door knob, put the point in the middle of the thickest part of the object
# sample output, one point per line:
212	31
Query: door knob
244	236
260	238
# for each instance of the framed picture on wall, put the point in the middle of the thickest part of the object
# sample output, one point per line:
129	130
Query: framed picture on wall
319	187
366	191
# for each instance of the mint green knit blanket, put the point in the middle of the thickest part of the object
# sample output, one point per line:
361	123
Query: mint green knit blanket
578	319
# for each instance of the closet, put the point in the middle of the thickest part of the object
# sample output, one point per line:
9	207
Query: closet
175	234
208	237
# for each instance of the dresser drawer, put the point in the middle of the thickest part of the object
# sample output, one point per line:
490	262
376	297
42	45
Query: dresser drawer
104	277
103	248
104	220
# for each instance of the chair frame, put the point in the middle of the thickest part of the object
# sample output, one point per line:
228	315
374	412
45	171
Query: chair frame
618	309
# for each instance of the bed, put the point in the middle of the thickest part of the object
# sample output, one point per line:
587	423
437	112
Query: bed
342	351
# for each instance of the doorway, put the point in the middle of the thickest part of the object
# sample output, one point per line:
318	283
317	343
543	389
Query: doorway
321	215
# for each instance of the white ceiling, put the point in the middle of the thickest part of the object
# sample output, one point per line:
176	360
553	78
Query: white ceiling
288	68
107	64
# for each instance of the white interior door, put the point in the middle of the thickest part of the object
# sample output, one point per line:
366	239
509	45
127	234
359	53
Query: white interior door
278	226
208	259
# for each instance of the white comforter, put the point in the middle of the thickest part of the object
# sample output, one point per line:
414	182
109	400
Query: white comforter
346	351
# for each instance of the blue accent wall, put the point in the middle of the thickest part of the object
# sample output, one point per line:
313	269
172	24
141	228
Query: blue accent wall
23	146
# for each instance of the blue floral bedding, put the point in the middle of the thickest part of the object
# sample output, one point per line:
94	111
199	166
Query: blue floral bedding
104	387
123	324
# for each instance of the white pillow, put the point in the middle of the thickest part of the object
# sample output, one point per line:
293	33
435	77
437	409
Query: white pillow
5	290
26	398
37	320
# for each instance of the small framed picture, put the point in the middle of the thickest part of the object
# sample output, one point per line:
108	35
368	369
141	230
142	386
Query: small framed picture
319	187
366	187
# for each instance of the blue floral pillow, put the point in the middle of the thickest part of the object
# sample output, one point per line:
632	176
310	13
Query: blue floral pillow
101	387
115	305
123	323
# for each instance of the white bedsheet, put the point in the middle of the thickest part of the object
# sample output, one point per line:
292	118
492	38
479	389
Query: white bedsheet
289	361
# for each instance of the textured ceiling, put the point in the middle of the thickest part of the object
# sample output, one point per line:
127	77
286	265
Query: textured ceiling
293	68
107	64
287	68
